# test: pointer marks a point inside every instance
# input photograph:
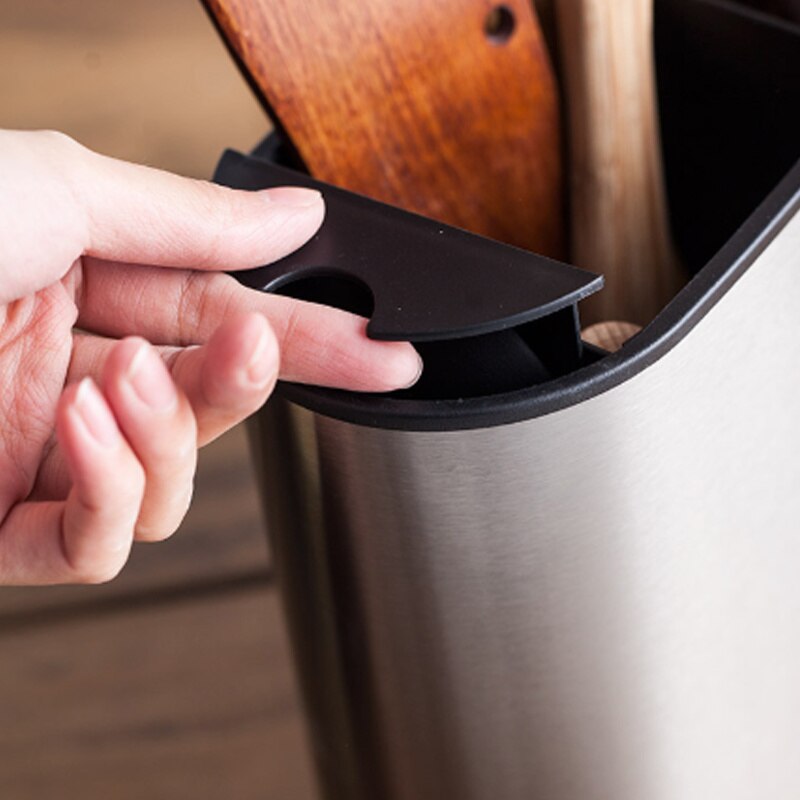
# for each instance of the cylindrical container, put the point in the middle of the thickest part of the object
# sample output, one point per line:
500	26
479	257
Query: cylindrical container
587	589
598	602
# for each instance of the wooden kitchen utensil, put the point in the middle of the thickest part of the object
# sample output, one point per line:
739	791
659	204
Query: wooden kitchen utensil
446	108
619	221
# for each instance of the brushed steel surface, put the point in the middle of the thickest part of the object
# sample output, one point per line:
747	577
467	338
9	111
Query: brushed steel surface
599	604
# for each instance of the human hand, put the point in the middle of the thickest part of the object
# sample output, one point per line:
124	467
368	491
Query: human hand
99	429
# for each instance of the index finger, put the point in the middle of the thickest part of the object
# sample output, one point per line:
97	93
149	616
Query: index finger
318	344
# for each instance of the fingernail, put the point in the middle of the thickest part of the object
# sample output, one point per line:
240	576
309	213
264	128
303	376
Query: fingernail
150	379
96	415
419	366
260	366
293	196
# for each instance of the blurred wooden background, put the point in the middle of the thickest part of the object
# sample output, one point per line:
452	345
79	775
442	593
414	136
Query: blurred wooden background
173	681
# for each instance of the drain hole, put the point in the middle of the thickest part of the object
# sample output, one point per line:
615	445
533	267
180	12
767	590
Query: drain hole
499	25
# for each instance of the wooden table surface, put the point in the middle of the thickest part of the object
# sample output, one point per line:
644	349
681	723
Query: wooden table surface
173	681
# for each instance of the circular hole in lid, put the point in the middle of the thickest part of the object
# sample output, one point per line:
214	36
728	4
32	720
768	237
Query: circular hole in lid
329	289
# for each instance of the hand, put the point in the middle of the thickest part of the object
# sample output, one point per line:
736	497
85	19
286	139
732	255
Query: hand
127	254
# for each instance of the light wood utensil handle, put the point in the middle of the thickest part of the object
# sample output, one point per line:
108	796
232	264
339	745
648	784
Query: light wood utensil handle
619	214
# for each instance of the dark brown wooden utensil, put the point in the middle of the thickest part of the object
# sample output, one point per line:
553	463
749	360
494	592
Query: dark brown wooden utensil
446	108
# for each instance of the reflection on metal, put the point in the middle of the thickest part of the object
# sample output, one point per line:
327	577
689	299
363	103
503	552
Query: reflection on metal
599	603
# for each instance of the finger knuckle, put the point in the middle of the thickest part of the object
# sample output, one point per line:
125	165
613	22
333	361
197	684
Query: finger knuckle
200	294
287	337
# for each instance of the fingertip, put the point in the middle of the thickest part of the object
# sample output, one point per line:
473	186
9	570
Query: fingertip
245	229
261	365
325	346
293	215
293	196
87	420
122	354
138	382
384	367
242	362
402	366
93	443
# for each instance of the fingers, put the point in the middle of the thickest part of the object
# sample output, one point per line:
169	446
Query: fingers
217	386
318	344
224	380
130	450
108	484
87	538
159	426
231	376
69	201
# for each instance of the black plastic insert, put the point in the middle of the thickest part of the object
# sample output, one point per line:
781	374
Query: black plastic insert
486	317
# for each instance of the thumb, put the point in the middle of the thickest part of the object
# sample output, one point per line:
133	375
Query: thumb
146	216
118	211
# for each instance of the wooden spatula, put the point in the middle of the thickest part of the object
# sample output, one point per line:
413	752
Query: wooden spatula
446	108
619	217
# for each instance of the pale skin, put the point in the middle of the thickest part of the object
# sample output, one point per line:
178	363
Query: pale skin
123	348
